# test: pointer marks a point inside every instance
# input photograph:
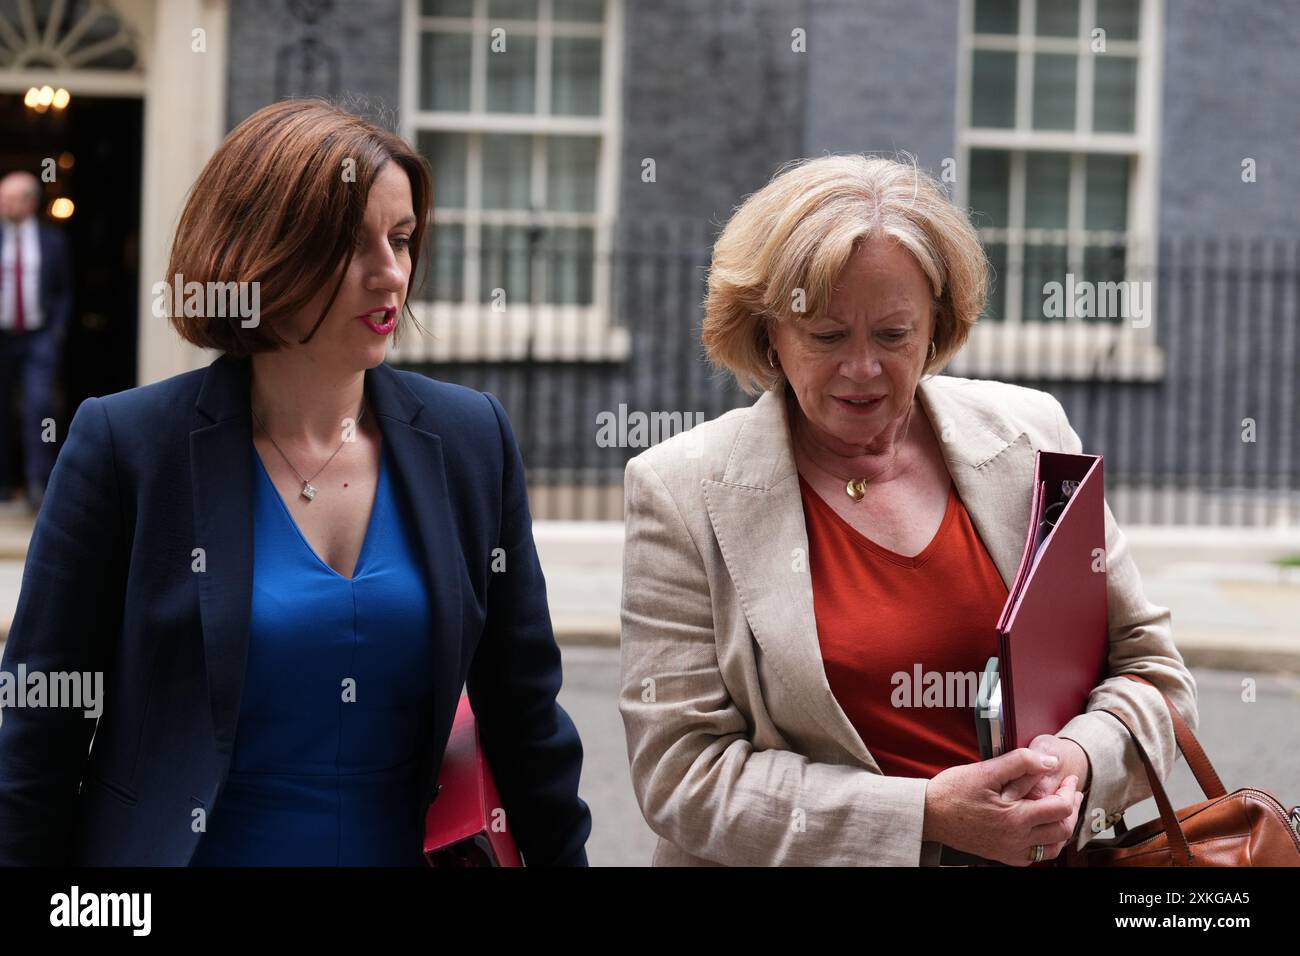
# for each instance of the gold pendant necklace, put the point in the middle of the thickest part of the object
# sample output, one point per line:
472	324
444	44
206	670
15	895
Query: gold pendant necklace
856	488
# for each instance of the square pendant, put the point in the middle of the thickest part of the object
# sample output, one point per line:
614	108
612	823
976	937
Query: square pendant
308	491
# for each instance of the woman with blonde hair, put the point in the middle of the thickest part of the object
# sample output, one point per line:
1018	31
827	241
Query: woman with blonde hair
287	564
864	517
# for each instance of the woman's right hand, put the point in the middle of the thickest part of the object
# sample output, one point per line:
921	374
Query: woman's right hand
964	809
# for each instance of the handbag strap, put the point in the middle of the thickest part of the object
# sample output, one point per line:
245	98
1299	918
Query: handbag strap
1182	853
1197	761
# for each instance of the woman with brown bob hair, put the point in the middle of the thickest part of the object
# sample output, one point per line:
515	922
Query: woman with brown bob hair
288	564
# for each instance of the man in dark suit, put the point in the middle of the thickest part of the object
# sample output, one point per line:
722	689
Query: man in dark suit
35	309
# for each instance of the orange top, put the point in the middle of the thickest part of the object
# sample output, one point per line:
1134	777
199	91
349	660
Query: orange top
904	640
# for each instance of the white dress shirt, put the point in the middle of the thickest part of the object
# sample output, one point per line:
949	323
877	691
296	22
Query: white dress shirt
25	232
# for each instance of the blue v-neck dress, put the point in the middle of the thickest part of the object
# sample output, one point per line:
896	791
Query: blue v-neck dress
336	701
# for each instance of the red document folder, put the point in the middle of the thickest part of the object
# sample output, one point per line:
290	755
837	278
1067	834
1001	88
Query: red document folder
1054	629
465	825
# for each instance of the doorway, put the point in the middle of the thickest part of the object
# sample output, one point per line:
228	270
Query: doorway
96	145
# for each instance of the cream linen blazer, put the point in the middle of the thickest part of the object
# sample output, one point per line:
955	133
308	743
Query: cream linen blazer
740	755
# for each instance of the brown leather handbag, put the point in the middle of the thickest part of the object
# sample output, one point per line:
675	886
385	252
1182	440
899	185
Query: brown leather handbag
1248	827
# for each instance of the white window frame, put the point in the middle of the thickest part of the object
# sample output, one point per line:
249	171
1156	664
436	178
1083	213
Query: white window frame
1072	348
473	331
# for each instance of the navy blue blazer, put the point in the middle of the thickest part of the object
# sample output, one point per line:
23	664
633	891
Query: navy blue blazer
56	280
114	583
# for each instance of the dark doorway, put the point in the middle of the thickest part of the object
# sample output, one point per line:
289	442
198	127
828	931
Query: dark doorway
95	144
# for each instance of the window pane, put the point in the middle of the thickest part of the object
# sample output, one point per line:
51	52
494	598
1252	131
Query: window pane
446	153
1043	264
504	264
1057	18
1054	83
1106	264
507	165
575	78
990	184
513	9
444	71
446	281
571	173
1115	94
570	255
447	8
1119	18
996	308
1107	193
589	11
512	75
997	16
1047	190
994	94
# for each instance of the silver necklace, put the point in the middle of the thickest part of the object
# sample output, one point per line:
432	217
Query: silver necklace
308	489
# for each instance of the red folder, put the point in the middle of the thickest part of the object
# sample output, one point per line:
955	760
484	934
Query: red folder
1053	629
466	825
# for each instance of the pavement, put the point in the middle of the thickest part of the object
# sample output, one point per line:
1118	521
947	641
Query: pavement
1234	606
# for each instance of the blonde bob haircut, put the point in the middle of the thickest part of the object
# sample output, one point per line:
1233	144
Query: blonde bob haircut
800	230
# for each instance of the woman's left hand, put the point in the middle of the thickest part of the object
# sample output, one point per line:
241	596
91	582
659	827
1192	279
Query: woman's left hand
1070	760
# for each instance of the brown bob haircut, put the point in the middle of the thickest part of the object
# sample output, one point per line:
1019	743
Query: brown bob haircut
281	203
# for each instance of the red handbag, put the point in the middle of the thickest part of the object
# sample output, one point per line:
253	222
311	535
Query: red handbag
466	824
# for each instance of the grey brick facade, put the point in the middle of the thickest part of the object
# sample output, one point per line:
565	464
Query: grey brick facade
713	92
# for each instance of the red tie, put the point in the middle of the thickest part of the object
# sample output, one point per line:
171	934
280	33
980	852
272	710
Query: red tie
18	281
